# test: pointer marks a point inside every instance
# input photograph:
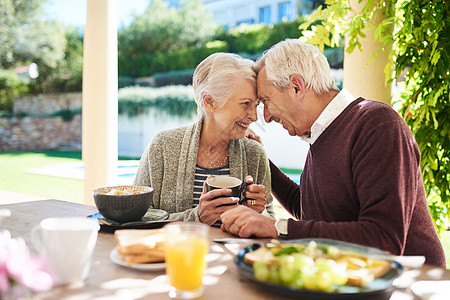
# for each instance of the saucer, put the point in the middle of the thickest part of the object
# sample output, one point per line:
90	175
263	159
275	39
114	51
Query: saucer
154	218
118	259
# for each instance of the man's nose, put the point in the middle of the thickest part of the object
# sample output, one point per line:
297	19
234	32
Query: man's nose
266	115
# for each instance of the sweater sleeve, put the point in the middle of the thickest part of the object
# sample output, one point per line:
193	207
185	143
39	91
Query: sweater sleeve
150	173
189	215
285	190
264	170
384	164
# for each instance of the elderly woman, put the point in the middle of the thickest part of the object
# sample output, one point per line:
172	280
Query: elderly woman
178	161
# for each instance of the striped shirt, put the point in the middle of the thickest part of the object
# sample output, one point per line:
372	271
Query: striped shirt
200	176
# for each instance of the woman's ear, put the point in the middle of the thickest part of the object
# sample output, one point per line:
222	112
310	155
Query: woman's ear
208	102
298	85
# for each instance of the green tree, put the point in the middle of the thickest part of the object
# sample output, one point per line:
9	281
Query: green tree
162	29
25	37
66	75
421	40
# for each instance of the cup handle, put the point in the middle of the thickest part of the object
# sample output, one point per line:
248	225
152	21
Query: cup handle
241	190
36	239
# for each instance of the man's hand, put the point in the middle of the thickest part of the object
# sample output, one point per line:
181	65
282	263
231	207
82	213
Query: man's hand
253	136
245	222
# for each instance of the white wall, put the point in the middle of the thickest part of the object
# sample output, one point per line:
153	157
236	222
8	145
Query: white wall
284	150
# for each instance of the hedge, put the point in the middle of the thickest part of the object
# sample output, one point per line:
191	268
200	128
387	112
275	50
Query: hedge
10	88
151	63
175	100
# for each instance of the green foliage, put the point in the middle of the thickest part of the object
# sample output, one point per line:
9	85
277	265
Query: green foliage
26	38
258	37
161	29
66	75
422	44
150	63
421	41
67	114
124	81
248	38
180	77
10	88
175	100
14	14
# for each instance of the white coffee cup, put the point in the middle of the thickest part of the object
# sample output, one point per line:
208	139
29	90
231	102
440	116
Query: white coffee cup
68	244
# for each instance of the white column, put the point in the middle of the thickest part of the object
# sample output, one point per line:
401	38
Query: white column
364	70
99	125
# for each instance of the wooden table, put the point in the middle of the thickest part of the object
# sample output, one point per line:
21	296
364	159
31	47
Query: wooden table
107	280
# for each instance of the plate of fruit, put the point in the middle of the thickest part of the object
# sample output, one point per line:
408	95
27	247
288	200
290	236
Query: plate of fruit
320	269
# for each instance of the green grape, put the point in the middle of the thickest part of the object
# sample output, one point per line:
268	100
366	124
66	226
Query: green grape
323	281
339	274
274	275
287	275
332	251
261	271
287	261
324	264
297	283
302	261
308	277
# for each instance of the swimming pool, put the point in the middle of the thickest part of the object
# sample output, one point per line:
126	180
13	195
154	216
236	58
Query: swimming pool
126	170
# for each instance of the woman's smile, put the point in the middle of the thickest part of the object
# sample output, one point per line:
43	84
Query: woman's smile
242	125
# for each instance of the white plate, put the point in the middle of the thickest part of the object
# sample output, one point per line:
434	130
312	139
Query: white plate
431	289
118	259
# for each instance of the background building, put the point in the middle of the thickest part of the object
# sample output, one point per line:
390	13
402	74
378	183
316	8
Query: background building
232	13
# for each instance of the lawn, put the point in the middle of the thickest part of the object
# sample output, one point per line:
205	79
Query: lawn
14	178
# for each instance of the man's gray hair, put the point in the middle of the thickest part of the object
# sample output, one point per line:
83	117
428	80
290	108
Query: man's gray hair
292	56
218	76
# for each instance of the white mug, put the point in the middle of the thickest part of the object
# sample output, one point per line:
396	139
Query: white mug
68	244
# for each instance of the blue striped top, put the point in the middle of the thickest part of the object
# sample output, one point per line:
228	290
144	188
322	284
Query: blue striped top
200	176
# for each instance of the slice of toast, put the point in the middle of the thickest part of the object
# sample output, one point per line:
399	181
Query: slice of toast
140	245
155	256
262	254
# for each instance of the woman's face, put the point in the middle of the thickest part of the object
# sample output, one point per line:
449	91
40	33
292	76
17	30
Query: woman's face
233	117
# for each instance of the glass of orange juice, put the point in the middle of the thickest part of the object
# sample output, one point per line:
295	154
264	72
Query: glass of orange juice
186	245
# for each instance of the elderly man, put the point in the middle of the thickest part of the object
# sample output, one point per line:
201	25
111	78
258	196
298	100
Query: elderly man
361	182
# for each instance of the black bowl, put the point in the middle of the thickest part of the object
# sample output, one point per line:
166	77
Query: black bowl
123	208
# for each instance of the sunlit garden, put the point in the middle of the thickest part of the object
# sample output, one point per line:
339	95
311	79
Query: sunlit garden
158	51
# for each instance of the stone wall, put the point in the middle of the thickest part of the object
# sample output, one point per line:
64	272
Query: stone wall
19	134
35	132
43	104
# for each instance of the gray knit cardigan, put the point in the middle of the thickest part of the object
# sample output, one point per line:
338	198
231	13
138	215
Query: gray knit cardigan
168	165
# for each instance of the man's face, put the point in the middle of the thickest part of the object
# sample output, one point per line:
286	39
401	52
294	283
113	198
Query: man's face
277	103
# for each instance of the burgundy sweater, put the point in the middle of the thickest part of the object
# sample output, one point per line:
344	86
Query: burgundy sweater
362	184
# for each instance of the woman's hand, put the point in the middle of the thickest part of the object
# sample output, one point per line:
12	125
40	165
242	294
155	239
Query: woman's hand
210	207
255	195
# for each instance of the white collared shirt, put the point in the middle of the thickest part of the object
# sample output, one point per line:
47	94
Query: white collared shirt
329	114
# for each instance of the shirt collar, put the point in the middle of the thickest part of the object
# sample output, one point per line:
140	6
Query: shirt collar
329	114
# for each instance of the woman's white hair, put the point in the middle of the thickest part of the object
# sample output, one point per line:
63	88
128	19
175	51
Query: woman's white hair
218	75
292	56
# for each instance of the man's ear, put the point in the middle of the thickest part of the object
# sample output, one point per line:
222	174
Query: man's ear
298	84
208	102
